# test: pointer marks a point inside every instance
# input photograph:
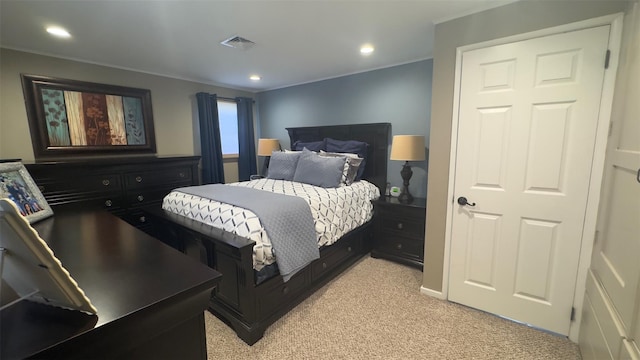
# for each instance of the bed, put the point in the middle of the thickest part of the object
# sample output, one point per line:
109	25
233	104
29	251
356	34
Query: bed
244	300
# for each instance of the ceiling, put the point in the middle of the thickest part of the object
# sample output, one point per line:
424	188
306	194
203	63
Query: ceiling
295	41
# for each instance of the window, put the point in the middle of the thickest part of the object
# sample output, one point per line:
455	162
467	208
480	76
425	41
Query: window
228	117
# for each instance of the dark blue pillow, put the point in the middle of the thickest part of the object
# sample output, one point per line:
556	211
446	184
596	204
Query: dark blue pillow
349	146
311	145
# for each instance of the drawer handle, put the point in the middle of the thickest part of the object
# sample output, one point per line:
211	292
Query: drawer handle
324	265
108	203
349	248
140	198
400	226
106	182
399	246
139	179
143	219
285	290
181	174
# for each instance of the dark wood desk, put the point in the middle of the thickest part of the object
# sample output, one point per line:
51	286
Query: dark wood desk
150	298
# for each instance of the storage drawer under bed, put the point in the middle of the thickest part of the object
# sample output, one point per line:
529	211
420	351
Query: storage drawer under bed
335	254
278	294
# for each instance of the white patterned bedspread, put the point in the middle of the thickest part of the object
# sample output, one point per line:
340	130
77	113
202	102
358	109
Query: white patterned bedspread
336	211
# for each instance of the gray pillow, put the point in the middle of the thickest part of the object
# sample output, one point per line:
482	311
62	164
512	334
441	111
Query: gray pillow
319	171
350	166
282	165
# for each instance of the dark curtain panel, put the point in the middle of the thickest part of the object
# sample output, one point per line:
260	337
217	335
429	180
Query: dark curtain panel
247	164
210	146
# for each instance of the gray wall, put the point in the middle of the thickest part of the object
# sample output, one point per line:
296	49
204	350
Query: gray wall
515	18
400	95
173	101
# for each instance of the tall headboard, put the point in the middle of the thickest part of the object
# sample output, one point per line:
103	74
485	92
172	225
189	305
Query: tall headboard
376	135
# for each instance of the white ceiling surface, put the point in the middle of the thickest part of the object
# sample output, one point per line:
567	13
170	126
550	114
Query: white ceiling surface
296	41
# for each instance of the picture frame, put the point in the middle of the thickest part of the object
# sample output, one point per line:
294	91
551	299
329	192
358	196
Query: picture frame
69	118
17	185
31	268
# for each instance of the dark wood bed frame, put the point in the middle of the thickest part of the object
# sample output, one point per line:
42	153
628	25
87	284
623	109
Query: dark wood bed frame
249	308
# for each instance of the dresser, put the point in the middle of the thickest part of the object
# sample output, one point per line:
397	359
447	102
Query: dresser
123	186
399	230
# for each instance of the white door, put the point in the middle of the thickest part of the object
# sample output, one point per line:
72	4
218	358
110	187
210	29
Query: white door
616	253
527	126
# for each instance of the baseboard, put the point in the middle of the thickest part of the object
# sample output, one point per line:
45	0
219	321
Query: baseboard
432	293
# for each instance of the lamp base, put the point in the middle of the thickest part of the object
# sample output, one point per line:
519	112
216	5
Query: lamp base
265	166
406	173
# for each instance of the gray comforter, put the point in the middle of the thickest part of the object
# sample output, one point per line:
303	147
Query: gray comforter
286	219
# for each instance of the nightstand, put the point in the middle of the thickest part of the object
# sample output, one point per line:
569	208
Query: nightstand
399	230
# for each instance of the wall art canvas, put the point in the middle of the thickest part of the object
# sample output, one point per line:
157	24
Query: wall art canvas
75	118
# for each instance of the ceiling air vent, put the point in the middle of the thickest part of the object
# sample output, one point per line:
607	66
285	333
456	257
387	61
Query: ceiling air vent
238	42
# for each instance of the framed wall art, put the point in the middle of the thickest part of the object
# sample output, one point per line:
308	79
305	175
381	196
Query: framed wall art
76	118
17	185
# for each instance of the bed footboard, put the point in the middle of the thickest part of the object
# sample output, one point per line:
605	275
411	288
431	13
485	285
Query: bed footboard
248	308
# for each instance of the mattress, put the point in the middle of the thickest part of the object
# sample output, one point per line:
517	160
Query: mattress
335	211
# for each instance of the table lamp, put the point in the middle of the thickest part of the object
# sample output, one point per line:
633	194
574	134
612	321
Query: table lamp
265	148
407	148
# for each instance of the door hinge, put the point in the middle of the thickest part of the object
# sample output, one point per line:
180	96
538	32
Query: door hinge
606	59
573	313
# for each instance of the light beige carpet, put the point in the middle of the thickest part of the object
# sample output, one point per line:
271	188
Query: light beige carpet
375	311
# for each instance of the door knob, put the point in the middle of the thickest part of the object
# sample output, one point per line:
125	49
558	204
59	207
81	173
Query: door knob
463	201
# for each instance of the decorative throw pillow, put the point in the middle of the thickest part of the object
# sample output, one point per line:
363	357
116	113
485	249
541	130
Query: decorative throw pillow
282	165
350	146
311	145
351	165
321	171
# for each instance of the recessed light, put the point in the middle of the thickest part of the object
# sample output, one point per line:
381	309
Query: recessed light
366	49
58	31
255	77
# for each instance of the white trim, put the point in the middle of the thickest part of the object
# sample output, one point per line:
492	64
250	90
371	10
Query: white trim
452	174
579	25
429	57
432	293
597	166
476	10
597	173
253	91
169	76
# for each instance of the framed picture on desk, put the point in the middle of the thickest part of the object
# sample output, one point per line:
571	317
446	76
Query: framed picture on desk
17	185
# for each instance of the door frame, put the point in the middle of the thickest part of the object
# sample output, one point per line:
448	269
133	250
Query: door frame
597	167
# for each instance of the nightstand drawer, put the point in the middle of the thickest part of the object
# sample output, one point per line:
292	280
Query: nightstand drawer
399	231
400	246
408	227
